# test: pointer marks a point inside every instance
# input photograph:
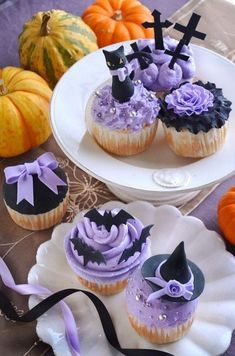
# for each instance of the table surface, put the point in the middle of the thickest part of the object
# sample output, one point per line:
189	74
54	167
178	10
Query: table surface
17	246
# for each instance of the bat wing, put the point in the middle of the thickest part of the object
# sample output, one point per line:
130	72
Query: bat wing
121	217
88	252
95	216
137	244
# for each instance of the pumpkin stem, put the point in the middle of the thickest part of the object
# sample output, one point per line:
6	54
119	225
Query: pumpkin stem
45	29
3	88
117	15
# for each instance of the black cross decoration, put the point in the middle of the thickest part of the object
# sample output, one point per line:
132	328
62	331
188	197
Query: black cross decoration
189	31
143	61
176	54
157	26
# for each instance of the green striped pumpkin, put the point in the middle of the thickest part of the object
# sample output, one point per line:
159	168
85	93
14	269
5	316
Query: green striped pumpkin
52	41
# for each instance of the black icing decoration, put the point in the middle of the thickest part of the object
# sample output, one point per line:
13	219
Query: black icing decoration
215	117
105	318
177	54
108	219
157	26
143	60
44	198
88	252
136	245
176	267
122	91
189	31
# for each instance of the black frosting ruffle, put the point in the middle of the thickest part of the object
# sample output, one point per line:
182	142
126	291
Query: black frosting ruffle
44	198
215	117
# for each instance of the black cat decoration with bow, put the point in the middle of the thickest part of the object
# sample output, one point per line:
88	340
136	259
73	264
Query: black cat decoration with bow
122	71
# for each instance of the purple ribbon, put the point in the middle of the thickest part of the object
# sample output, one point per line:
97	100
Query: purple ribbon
43	166
123	72
34	289
172	288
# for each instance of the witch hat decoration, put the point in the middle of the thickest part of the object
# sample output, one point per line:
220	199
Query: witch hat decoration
173	277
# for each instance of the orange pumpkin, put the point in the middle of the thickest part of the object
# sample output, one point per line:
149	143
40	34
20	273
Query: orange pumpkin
24	111
118	20
226	215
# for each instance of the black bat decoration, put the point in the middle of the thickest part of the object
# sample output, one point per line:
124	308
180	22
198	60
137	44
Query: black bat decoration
107	219
137	244
88	252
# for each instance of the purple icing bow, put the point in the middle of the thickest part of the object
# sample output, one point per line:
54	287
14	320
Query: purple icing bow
172	288
123	72
43	166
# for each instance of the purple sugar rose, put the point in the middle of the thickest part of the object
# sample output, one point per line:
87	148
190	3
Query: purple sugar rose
189	99
175	289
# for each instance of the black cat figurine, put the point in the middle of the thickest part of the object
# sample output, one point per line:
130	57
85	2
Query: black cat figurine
122	86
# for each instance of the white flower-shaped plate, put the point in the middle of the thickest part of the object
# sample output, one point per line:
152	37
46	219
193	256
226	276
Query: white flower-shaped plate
211	331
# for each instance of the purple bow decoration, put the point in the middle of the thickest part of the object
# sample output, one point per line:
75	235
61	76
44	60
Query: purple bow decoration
123	72
43	166
172	288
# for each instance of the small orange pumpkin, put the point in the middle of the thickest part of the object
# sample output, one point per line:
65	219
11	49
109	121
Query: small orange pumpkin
118	20
24	111
226	215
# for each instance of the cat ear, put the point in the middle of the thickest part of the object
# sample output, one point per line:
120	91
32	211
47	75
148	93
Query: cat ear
121	49
106	53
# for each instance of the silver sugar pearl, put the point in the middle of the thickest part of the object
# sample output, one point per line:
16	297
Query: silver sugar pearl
138	81
99	114
97	93
138	297
112	110
133	113
152	95
162	316
147	304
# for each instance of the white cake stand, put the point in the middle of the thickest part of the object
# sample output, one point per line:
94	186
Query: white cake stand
157	175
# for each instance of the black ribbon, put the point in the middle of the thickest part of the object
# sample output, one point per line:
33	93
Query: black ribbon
107	324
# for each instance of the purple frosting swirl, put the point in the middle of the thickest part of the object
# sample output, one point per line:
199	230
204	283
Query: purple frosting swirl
111	244
141	110
189	99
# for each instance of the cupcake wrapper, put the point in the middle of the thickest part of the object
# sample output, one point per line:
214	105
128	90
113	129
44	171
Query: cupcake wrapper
104	289
187	144
122	142
161	335
40	221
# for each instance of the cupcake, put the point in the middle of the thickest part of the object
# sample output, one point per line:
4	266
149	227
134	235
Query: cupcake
122	116
195	119
105	247
158	76
36	193
162	296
